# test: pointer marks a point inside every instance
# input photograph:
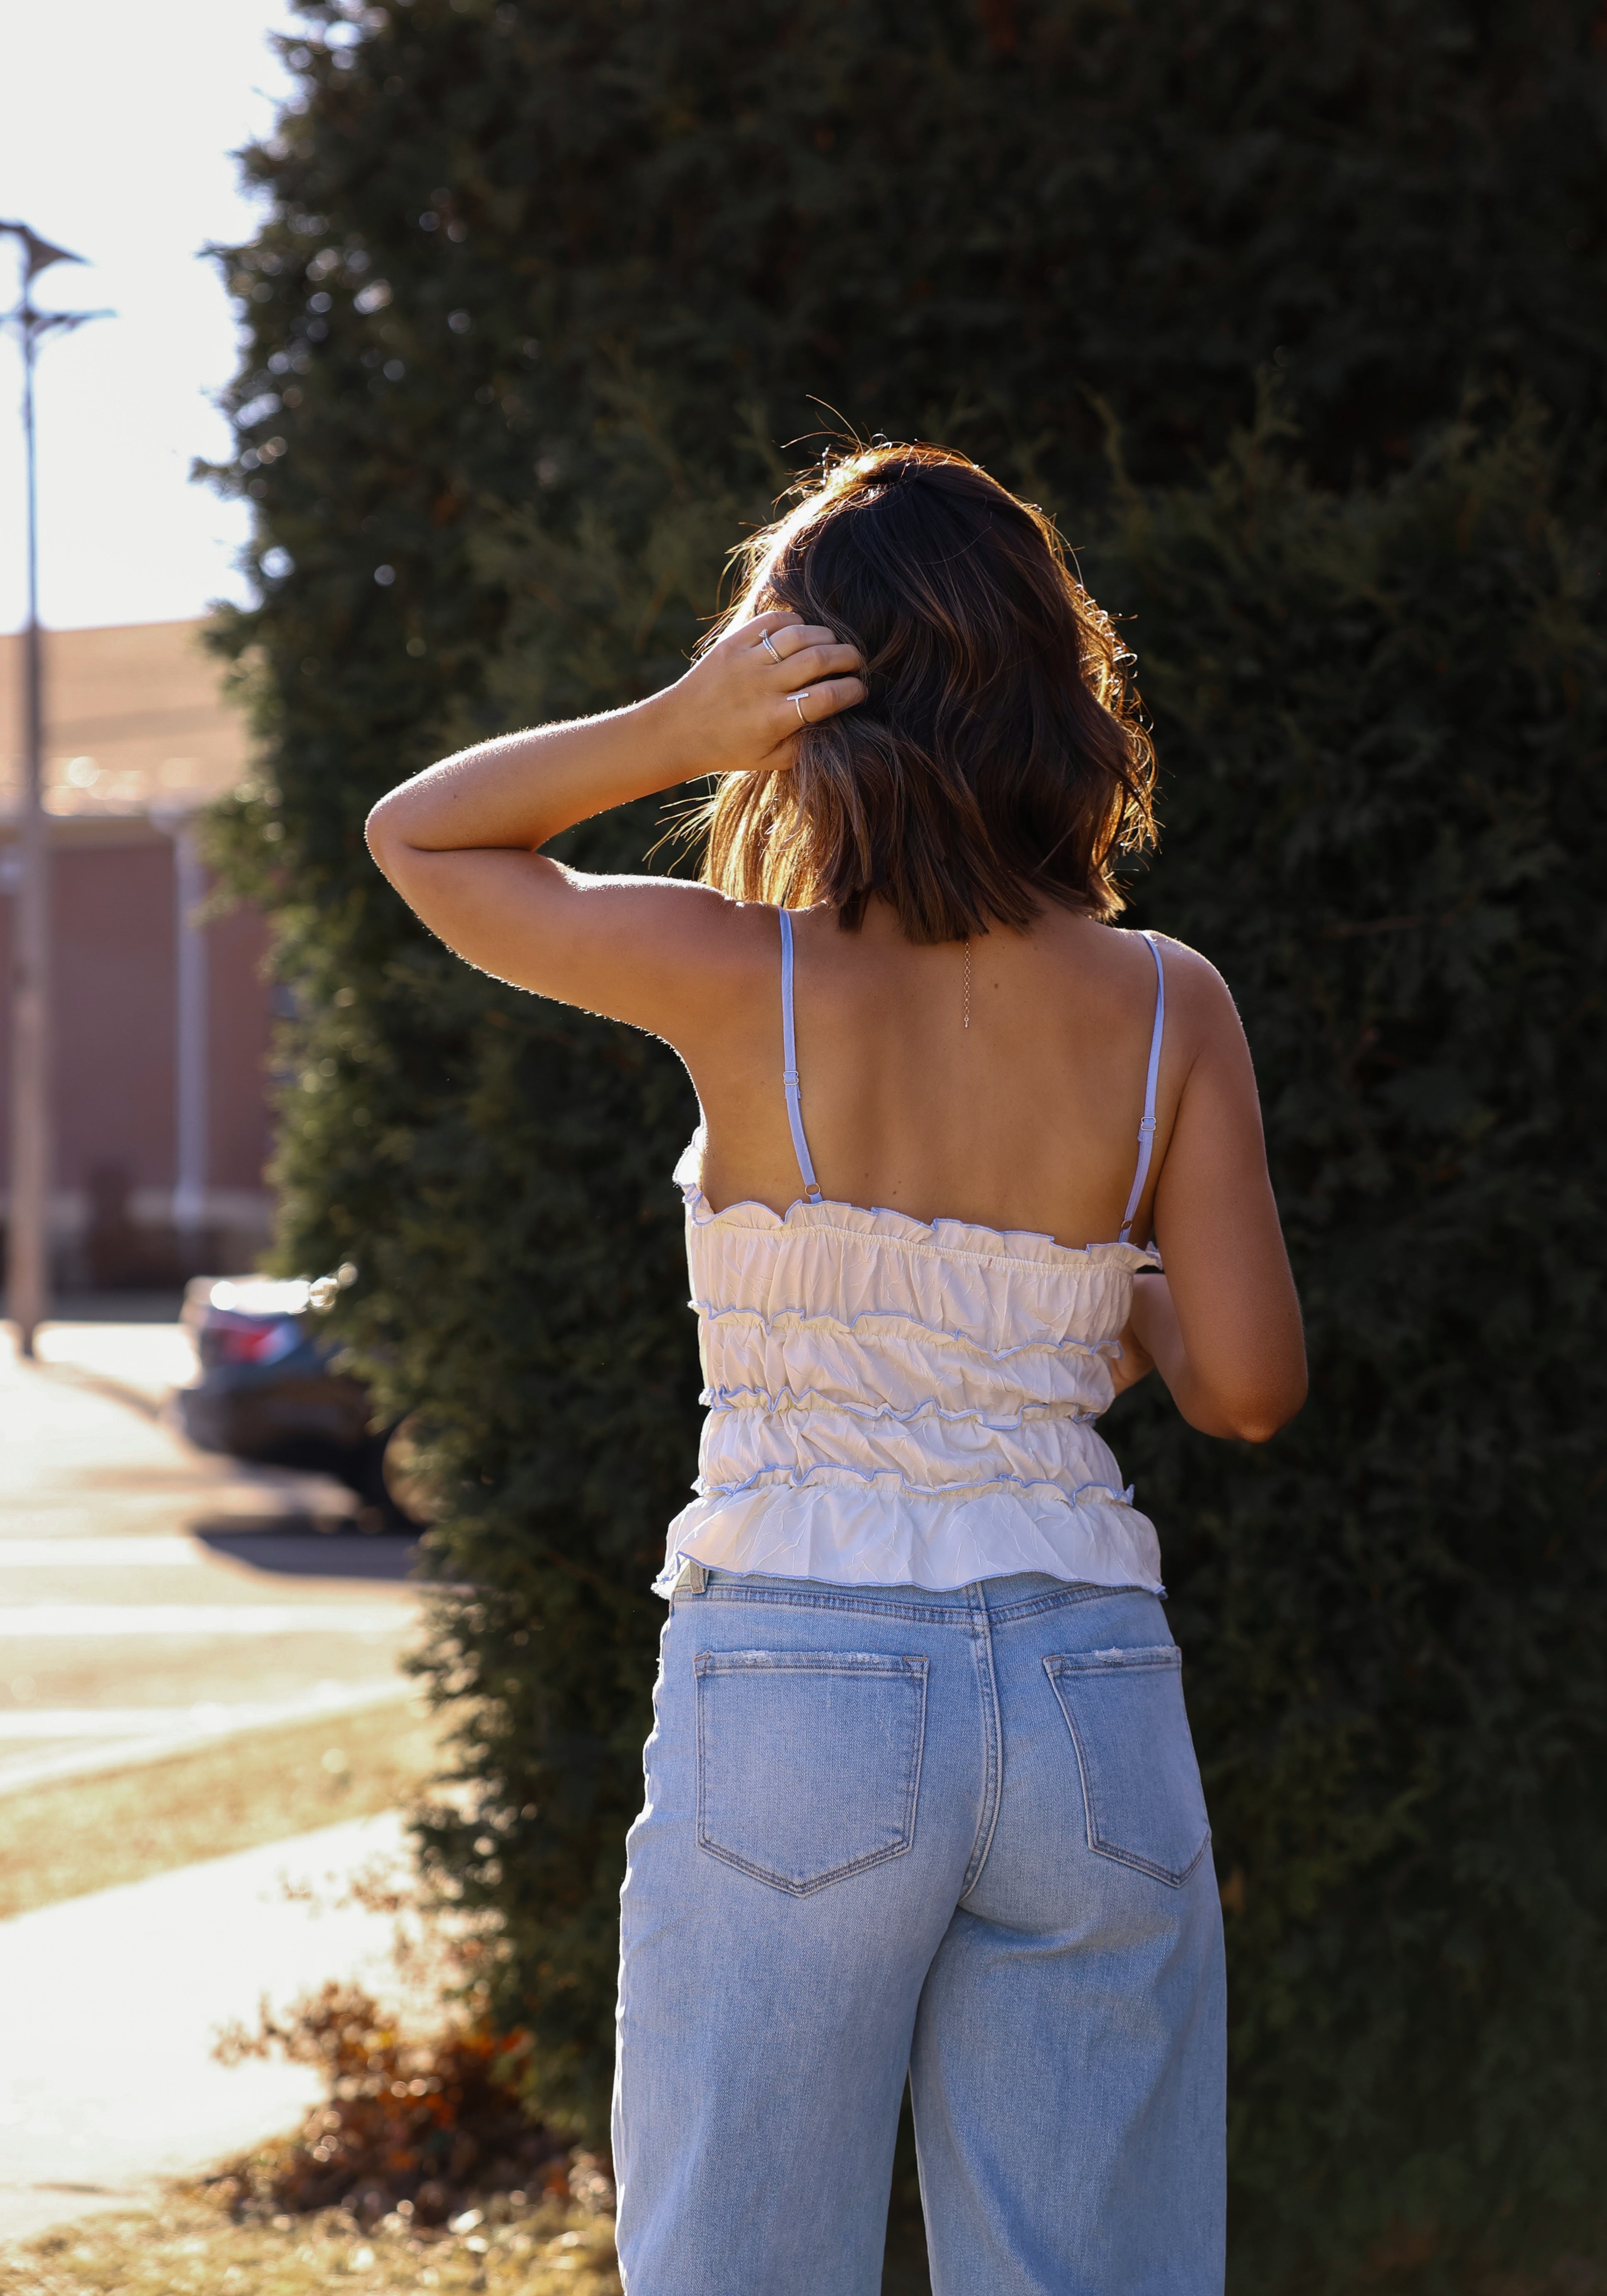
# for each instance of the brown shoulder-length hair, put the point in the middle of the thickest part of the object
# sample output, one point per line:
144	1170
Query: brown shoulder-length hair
998	760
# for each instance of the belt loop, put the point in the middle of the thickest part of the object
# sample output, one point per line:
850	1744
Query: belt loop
693	1578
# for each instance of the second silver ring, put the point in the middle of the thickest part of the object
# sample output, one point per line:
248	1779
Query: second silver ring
771	650
798	700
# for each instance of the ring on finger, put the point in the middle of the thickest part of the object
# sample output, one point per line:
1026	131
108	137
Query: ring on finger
798	700
769	649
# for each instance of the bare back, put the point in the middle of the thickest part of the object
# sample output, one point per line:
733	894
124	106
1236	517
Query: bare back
1027	1118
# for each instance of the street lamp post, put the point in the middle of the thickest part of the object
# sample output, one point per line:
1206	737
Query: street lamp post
28	1226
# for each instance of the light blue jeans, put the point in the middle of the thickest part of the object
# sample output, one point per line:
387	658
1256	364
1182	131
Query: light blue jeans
960	1835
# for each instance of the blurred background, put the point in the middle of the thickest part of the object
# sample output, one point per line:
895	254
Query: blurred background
339	1471
205	1732
131	556
133	169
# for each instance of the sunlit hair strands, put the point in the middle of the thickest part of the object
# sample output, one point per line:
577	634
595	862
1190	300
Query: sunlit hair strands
998	761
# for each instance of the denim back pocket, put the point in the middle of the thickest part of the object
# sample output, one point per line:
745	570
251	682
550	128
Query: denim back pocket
1141	1787
809	1762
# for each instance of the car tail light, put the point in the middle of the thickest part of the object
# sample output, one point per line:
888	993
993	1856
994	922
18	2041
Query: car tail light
250	1340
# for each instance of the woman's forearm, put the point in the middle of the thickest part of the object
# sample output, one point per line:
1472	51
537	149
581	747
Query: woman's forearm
740	708
1159	1336
522	788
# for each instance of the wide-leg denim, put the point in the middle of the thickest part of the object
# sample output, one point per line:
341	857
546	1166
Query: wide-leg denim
957	1834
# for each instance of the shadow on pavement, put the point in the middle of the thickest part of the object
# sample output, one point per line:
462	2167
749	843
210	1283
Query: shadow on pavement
117	1306
309	1553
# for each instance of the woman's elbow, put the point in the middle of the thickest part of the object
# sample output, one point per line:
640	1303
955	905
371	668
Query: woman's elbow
1250	1411
378	830
385	834
1257	1419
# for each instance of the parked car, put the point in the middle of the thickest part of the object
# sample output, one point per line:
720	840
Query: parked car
267	1392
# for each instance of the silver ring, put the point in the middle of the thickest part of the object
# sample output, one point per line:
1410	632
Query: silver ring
798	700
770	650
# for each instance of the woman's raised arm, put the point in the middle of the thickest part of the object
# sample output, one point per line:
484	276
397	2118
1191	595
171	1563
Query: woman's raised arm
460	842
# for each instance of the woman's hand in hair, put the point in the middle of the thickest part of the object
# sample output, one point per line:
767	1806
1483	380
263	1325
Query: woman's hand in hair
748	699
739	709
462	842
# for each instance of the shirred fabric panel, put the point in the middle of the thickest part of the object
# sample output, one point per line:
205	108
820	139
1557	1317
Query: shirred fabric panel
894	1401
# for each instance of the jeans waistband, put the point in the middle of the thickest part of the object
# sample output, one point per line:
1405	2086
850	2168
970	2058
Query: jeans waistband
1022	1590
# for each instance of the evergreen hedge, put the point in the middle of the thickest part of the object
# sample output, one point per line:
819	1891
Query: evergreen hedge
1384	718
542	295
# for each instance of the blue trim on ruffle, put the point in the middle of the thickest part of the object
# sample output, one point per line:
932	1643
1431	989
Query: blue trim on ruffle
802	1319
927	1235
788	1398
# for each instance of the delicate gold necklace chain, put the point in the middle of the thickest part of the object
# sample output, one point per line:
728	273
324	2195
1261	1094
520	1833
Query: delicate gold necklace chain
968	1019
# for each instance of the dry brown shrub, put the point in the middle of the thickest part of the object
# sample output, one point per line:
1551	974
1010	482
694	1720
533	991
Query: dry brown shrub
414	2127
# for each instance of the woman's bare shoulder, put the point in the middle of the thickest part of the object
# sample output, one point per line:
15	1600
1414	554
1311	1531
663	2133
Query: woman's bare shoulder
1195	990
1202	1021
1206	1044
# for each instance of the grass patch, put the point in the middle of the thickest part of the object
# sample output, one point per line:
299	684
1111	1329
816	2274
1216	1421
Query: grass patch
64	1838
191	2247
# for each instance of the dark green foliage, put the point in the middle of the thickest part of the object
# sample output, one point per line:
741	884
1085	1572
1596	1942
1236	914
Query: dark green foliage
658	230
1385	721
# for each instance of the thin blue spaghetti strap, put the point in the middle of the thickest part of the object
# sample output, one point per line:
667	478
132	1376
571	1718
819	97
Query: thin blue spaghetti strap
789	1073
1146	1129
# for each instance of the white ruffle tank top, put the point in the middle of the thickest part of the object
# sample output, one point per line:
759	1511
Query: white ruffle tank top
898	1403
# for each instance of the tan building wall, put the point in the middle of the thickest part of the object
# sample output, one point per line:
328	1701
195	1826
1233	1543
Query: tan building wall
160	1022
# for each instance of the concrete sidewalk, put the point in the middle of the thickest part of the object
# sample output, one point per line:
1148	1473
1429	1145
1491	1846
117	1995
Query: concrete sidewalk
110	2005
153	1596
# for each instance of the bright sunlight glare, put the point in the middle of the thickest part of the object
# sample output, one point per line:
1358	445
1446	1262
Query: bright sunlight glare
117	126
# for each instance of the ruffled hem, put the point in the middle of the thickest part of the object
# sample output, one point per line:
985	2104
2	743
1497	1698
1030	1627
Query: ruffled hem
952	1238
884	1538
